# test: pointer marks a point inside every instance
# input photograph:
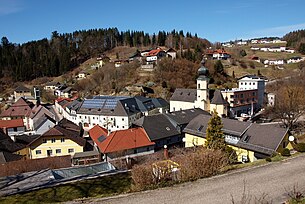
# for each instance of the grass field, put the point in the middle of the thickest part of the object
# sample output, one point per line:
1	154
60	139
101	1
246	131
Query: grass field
100	187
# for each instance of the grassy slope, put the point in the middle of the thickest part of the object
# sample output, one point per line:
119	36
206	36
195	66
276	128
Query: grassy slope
100	187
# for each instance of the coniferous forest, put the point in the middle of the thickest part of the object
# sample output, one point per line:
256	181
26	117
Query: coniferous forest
63	52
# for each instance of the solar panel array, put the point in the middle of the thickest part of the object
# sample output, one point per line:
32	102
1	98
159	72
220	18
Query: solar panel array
102	102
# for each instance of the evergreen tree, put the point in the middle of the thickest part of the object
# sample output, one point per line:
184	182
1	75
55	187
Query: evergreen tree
214	135
218	67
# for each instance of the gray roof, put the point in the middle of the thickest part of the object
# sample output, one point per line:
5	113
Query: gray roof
8	157
44	118
263	138
260	138
185	116
53	83
187	95
119	106
218	98
22	88
74	105
157	127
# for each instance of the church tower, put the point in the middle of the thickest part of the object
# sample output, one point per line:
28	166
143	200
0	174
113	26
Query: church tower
202	87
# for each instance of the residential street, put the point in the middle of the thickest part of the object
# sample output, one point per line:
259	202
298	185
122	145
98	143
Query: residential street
271	181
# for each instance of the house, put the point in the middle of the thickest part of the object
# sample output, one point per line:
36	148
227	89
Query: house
290	50
277	49
264	49
252	82
241	101
294	60
81	75
22	91
136	57
119	63
219	54
52	86
131	142
255	58
154	55
98	134
271	99
144	53
201	97
10	150
251	141
242	43
110	112
19	110
85	158
64	91
12	127
180	119
255	48
65	138
171	53
41	119
160	130
274	62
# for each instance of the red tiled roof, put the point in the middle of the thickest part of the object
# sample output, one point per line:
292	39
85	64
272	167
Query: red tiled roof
154	52
11	123
62	99
96	132
219	51
124	140
18	109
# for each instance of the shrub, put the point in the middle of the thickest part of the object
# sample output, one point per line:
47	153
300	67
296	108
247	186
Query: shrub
231	154
142	176
285	152
201	163
268	159
300	147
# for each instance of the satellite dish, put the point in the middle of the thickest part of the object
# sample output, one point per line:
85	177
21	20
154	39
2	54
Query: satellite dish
291	138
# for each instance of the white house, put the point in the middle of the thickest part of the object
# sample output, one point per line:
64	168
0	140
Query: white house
250	82
255	48
290	50
242	43
274	62
111	112
294	60
264	49
52	86
271	99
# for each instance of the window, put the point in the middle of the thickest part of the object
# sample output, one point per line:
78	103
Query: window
44	140
245	83
70	150
232	96
49	152
253	94
123	126
241	95
122	119
93	118
241	83
58	151
38	151
62	140
198	86
85	117
80	117
53	140
15	129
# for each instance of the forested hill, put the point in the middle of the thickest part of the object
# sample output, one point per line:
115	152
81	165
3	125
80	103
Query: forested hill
296	39
63	52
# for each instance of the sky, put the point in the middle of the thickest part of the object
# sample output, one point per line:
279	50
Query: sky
217	21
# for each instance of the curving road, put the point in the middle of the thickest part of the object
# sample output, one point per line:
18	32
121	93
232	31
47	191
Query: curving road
269	182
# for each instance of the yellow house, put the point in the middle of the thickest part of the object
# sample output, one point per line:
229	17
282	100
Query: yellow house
62	139
251	141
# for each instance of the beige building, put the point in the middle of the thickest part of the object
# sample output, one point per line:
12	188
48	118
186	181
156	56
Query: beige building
201	97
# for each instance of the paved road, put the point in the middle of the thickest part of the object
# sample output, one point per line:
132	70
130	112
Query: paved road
270	181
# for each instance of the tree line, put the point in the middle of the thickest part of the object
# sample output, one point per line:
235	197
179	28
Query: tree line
296	39
63	52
